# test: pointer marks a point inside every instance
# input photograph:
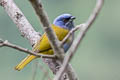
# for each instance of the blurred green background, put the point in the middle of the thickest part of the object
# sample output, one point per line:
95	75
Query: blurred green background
98	56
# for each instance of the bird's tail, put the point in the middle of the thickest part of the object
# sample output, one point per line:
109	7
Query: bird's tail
24	62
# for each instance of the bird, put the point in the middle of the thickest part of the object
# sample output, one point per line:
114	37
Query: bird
61	26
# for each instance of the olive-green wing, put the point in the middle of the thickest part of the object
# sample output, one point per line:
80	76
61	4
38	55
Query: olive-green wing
43	45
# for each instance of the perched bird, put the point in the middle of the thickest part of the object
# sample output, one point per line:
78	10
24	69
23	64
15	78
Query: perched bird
61	26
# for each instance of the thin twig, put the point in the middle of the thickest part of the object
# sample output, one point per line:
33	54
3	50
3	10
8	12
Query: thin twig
79	38
34	69
58	50
71	32
8	44
46	72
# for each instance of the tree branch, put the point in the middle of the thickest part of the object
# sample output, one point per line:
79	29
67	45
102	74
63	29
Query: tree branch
37	5
28	32
8	44
26	29
20	20
79	38
58	50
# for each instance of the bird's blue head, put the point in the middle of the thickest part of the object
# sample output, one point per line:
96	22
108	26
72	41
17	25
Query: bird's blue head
65	21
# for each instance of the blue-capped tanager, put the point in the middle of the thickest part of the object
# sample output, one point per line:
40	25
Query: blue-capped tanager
61	26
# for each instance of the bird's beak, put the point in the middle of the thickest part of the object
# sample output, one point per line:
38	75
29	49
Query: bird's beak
73	17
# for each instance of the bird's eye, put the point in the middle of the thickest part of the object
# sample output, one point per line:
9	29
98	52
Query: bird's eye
66	20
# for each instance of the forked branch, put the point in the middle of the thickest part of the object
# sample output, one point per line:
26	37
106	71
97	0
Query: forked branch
79	38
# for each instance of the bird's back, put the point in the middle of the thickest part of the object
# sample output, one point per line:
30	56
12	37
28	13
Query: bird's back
43	45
